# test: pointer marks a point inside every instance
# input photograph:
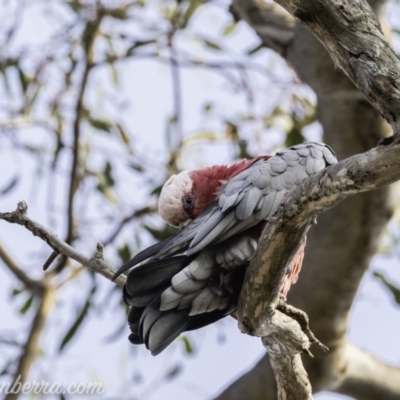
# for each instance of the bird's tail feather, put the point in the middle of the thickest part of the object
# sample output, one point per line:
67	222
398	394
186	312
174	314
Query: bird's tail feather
158	329
148	278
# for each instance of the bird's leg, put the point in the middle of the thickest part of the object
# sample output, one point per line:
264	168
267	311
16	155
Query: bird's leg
302	318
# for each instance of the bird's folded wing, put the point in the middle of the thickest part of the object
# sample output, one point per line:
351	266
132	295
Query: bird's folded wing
251	196
255	194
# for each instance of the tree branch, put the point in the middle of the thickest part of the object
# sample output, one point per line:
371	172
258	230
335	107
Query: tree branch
135	214
341	245
257	314
95	263
89	37
283	233
29	351
33	286
273	24
284	340
367	378
351	33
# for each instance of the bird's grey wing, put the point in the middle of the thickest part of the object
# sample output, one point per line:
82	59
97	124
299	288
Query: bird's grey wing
141	256
188	232
255	194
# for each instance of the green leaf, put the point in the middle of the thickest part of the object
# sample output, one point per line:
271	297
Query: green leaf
393	289
108	174
10	185
188	346
124	253
114	73
231	131
24	309
255	50
16	292
161	234
188	14
123	135
243	153
118	13
212	45
157	190
136	167
293	137
100	124
173	372
138	44
106	182
24	79
78	321
208	107
229	29
75	5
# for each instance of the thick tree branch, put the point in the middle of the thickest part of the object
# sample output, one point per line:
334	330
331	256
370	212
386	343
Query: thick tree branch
341	245
280	240
273	24
291	377
351	33
95	263
259	297
367	378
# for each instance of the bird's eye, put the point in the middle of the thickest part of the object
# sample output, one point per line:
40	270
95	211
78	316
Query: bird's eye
188	202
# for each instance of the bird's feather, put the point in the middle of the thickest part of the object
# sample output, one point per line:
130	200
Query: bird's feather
145	278
191	279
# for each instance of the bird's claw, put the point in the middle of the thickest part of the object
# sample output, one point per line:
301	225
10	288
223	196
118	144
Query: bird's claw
302	318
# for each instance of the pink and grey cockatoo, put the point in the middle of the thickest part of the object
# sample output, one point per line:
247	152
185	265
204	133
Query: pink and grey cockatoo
194	278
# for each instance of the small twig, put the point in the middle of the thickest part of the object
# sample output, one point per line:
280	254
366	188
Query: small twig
135	214
96	263
177	92
74	273
31	284
50	260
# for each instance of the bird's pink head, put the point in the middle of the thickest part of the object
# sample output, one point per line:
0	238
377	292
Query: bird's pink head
184	196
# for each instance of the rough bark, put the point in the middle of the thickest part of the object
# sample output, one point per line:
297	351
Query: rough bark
301	206
273	24
354	39
341	245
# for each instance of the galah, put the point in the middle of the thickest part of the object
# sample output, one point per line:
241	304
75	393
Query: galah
194	278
